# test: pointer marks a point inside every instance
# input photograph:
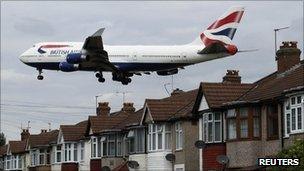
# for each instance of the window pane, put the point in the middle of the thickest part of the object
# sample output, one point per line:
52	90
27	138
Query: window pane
299	99
210	132
160	140
231	113
299	109
217	131
231	128
257	111
244	112
244	128
210	116
168	140
217	116
153	141
205	132
293	119
256	127
293	100
288	123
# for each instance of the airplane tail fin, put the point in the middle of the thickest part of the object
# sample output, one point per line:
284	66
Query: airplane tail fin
223	29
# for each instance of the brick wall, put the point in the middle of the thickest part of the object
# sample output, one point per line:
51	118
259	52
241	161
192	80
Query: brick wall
95	165
209	156
69	167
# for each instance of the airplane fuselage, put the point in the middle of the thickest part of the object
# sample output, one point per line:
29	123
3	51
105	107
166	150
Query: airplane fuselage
136	58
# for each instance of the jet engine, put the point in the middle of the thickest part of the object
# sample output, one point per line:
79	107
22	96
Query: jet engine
76	58
167	72
67	67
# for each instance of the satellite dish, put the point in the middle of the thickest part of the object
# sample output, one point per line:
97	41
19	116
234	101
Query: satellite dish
222	159
105	168
133	164
170	157
200	144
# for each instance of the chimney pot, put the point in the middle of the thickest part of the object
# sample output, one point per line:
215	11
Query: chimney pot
176	91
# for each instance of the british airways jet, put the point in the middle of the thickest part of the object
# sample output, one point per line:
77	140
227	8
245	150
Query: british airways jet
126	61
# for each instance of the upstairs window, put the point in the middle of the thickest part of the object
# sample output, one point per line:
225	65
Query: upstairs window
294	114
157	136
212	127
231	124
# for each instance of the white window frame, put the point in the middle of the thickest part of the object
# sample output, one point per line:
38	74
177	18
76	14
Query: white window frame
288	108
82	150
178	136
58	153
70	153
94	141
112	142
178	167
44	157
205	126
231	115
152	130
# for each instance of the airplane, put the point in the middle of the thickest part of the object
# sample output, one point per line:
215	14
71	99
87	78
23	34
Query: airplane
126	61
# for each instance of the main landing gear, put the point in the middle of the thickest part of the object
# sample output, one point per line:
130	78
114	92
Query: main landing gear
100	77
40	77
122	77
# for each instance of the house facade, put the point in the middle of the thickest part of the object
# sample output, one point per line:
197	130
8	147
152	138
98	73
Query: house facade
172	132
212	116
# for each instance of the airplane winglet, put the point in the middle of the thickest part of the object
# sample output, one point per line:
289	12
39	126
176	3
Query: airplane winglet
98	32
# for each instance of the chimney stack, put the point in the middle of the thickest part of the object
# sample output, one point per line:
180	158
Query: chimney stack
103	109
232	76
25	134
128	107
176	91
287	56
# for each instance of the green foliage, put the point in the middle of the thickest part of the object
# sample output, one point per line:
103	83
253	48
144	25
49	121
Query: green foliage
2	139
295	151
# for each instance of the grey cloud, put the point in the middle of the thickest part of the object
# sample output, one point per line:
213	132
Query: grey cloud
34	27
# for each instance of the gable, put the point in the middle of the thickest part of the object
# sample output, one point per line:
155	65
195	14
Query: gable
146	117
203	104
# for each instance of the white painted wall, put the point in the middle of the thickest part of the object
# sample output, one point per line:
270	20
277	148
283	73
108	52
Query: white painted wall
157	161
85	165
141	159
203	105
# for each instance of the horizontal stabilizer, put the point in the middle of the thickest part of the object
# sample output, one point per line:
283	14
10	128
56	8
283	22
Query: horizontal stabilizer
213	48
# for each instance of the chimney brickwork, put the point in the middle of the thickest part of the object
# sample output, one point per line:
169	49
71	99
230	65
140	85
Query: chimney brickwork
103	109
232	76
128	107
287	56
25	134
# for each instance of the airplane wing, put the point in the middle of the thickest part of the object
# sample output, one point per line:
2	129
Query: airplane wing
98	57
213	48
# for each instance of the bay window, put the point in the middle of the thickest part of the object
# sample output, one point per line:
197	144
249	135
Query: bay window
243	112
41	157
294	114
75	152
111	145
119	145
272	122
256	121
159	136
70	152
96	147
212	127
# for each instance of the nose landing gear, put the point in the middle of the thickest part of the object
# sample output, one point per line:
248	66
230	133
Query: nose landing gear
100	77
40	77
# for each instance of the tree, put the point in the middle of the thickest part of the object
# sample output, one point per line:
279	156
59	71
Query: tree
294	151
2	139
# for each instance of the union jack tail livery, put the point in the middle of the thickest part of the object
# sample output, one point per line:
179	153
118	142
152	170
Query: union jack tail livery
218	36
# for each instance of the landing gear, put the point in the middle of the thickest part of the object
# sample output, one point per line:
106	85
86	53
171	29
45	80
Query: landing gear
123	78
40	77
100	77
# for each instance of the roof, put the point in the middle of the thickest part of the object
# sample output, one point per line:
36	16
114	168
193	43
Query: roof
3	150
177	105
217	94
74	132
274	85
132	120
43	139
103	123
16	147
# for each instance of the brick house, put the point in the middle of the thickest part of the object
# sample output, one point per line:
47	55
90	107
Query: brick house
15	155
72	149
170	123
269	116
208	108
40	150
109	145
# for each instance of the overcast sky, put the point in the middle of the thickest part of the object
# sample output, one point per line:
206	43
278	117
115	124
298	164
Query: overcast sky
67	98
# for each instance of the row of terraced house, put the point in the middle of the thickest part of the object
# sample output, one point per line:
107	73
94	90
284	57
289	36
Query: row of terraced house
186	131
